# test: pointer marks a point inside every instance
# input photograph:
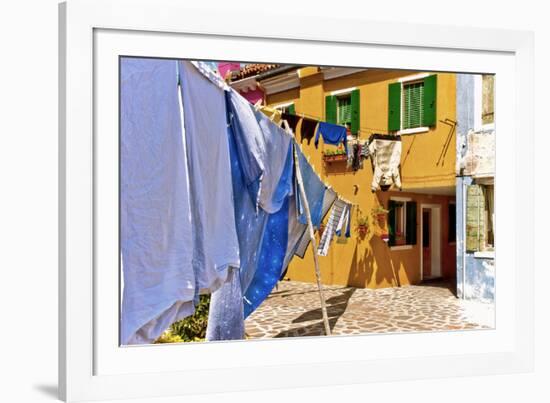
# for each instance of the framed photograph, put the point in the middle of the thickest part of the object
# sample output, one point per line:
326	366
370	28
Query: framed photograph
270	204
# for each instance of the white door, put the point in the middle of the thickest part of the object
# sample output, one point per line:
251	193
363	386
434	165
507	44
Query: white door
430	251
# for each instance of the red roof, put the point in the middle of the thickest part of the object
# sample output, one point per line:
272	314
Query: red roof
253	69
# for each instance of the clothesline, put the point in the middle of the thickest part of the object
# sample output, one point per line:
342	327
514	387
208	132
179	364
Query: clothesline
328	186
363	129
288	131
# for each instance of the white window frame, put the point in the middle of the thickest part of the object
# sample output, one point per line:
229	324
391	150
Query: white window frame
403	200
405	81
283	105
344	91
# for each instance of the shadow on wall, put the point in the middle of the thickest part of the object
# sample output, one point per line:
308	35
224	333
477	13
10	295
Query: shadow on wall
375	266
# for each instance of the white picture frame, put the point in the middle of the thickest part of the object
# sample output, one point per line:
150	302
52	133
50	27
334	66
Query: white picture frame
93	33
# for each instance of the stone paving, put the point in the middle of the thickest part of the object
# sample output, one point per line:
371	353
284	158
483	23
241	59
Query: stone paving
293	309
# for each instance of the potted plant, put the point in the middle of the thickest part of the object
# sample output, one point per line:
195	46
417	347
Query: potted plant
334	155
362	227
380	213
321	230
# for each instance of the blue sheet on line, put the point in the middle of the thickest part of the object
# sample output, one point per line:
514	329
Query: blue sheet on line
315	191
273	248
261	146
262	241
252	135
225	316
332	134
270	263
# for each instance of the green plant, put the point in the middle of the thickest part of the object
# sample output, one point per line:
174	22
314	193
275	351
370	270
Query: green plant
169	337
193	328
362	221
379	210
338	151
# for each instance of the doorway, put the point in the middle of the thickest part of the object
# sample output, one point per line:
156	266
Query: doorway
430	255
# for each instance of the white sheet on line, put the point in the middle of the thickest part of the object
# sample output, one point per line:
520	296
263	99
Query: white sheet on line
155	211
215	243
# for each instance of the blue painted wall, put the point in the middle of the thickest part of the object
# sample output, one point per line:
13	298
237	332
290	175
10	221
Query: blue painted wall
475	275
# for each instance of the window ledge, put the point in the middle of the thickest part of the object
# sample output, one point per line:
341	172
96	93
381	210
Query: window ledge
415	130
401	247
485	255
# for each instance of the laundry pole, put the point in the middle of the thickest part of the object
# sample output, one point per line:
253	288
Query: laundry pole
313	241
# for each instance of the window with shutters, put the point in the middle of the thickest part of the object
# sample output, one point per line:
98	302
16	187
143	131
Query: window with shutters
413	106
342	107
480	218
343	110
401	222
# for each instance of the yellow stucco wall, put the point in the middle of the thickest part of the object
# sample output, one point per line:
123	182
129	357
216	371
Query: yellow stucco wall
427	162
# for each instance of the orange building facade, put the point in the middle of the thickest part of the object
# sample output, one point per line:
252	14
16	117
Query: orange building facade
398	237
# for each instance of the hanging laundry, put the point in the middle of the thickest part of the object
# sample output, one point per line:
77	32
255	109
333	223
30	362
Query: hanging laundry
357	160
365	150
295	231
332	134
349	159
314	189
292	121
328	200
307	129
215	244
251	221
262	246
155	225
225	314
262	147
335	223
250	224
270	261
385	152
346	221
277	181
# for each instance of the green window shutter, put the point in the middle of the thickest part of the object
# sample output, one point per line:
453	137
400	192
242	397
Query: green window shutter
391	222
330	109
429	101
291	109
394	107
355	108
410	235
475	218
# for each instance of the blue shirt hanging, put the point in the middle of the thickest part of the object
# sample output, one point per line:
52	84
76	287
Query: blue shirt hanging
332	134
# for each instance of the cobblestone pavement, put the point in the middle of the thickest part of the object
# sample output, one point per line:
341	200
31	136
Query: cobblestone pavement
293	309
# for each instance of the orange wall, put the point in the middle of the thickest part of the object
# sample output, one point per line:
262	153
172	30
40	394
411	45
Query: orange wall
369	262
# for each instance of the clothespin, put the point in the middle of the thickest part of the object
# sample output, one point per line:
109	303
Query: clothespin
257	104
